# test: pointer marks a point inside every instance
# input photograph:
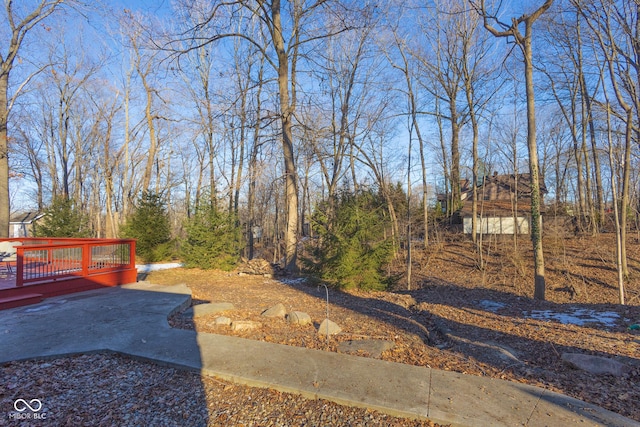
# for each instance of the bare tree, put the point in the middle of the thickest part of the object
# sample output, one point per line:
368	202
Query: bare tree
476	84
348	71
200	87
286	38
31	148
256	144
108	161
19	24
404	66
524	42
566	71
145	63
443	79
615	26
616	209
69	78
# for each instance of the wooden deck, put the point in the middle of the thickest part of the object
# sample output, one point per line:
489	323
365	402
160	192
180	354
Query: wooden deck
53	267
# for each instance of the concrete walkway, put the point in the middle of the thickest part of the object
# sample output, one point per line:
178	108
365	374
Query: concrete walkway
132	320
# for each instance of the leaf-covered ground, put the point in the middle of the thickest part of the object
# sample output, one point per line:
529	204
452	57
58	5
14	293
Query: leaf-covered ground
458	317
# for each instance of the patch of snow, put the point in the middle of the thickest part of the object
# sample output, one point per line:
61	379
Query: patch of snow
577	316
39	308
146	268
296	281
492	306
44	306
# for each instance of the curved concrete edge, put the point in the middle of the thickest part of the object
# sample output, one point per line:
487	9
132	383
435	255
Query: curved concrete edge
396	389
314	374
180	289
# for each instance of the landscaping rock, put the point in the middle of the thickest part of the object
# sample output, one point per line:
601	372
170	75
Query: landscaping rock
277	310
372	348
299	318
222	321
244	325
328	327
595	364
206	309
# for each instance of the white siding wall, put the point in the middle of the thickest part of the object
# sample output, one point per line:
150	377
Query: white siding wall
497	225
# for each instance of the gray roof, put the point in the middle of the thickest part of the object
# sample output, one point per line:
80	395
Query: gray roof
25	217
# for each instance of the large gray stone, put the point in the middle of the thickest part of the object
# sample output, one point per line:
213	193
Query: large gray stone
373	348
328	327
277	310
595	364
244	325
222	321
299	318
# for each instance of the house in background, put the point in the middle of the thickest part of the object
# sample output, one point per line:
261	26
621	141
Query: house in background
504	204
21	224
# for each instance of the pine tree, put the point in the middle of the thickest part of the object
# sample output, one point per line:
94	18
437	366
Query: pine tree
353	248
62	219
214	240
149	225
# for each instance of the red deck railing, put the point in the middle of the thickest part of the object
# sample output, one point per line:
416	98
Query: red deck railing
105	262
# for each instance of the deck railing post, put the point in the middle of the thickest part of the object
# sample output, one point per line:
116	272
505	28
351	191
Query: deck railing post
132	253
19	266
86	255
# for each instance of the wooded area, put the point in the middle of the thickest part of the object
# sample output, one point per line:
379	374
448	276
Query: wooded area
268	110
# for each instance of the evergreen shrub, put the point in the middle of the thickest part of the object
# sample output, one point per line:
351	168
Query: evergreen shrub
214	240
352	247
149	225
62	219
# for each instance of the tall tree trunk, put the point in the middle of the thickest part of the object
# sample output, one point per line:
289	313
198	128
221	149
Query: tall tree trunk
474	155
616	209
425	191
111	223
525	43
626	176
153	141
63	135
413	111
286	117
590	206
445	164
4	157
213	193
253	164
455	155
577	155
127	179
240	170
536	218
597	171
409	255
